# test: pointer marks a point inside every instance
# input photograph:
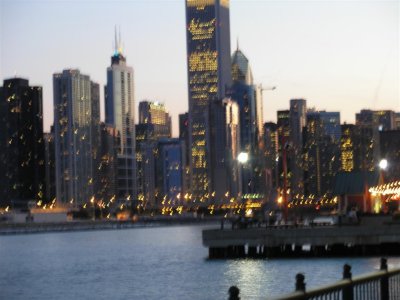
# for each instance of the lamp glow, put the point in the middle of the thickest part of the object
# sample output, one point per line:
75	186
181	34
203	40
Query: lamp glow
243	157
383	164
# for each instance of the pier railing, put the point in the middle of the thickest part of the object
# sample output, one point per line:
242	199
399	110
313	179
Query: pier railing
380	285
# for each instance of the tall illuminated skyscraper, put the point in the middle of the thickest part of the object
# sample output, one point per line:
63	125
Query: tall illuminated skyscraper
209	75
75	108
119	113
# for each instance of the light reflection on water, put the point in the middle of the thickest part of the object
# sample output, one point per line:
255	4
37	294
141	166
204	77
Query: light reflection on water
149	263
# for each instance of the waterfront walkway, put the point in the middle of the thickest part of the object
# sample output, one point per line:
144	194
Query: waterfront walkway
374	236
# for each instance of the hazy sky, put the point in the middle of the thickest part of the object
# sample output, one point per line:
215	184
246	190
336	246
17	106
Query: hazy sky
338	55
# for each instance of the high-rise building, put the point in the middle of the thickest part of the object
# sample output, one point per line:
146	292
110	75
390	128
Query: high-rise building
153	112
348	147
225	148
184	137
120	114
170	183
270	157
154	124
397	121
283	131
370	123
390	150
50	164
75	107
321	151
381	119
209	75
22	176
248	97
107	169
297	119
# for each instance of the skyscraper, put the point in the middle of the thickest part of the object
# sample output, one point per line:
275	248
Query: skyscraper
50	164
248	97
153	112
321	151
381	119
22	176
75	106
154	123
209	75
225	147
297	119
120	113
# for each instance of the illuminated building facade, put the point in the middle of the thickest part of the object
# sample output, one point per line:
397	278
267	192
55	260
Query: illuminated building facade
270	156
390	150
283	128
107	169
155	113
50	164
248	97
74	102
321	151
297	119
22	176
370	124
120	113
154	123
225	148
348	145
170	166
209	74
381	119
184	137
397	121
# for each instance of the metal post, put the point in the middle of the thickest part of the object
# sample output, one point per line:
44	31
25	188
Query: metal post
300	284
384	280
347	291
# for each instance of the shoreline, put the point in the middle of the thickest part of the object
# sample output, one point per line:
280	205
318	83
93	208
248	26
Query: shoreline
89	225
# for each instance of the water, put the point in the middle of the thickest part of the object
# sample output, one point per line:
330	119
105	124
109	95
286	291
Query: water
149	263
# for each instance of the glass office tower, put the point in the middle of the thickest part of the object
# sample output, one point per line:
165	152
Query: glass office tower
209	75
120	114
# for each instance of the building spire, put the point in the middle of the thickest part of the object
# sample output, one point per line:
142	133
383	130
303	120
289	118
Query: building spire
237	43
115	42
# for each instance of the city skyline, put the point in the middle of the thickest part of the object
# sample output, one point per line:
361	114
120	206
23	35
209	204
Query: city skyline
352	64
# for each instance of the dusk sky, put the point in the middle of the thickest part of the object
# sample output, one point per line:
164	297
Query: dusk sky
338	55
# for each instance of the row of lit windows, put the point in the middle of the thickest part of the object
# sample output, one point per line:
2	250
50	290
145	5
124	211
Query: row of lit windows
203	61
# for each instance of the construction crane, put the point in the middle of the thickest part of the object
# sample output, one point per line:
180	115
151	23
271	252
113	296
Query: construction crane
268	88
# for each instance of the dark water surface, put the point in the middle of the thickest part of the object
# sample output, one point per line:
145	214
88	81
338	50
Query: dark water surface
149	263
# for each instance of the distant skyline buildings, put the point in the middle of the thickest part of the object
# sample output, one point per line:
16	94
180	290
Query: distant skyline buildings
222	119
355	68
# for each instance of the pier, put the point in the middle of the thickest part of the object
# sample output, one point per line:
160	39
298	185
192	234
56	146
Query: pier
373	236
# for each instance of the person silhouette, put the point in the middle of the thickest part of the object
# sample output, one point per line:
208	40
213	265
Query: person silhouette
234	293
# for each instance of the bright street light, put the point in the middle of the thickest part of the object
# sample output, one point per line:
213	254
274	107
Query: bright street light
383	164
243	157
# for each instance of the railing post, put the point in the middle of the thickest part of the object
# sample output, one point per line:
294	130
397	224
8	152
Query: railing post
300	284
384	280
347	291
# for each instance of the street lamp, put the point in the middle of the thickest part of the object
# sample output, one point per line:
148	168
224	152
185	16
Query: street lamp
383	164
242	158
